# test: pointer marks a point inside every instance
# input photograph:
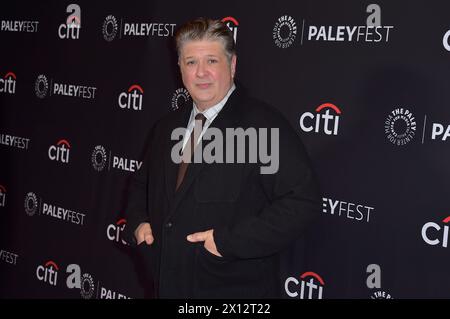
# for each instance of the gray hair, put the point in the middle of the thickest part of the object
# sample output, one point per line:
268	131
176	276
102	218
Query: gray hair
206	29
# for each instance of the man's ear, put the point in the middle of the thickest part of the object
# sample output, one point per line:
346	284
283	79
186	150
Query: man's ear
233	65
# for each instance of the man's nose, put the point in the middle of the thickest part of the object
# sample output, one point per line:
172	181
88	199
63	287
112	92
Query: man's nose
201	69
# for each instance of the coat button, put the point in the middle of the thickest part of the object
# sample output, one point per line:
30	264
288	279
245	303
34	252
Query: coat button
169	225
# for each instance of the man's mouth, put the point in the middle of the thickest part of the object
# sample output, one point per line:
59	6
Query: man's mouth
203	85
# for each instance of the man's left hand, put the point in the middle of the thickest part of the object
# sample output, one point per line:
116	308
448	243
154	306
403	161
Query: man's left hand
208	238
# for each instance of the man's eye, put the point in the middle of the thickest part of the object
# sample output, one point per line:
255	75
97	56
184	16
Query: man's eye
212	61
190	62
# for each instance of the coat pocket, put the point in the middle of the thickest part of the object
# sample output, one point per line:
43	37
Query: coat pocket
216	277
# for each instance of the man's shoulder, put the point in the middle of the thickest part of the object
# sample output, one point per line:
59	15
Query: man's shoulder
257	111
172	118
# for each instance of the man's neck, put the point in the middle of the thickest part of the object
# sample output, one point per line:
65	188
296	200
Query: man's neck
226	96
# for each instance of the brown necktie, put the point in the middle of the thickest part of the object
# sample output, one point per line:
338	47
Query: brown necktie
198	127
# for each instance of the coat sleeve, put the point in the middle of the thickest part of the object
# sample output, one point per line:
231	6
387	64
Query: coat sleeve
294	201
137	202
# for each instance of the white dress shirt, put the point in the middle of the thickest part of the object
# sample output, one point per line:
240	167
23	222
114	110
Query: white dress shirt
210	114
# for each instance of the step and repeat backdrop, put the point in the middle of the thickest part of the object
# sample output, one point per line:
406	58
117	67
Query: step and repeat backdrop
365	85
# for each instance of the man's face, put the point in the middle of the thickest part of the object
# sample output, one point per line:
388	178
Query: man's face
206	72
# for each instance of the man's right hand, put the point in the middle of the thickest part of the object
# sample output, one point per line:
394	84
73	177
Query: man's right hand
144	233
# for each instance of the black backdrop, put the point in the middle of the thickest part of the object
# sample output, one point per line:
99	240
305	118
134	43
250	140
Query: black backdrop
70	140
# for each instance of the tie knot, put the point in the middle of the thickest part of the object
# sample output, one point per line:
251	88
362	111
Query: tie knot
200	117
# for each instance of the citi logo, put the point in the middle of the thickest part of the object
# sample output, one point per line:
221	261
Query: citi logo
232	24
71	28
114	231
132	99
60	151
322	120
2	196
8	83
310	286
179	98
48	273
434	234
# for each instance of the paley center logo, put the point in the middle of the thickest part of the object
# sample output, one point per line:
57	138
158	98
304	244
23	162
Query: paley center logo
179	98
60	152
41	88
85	282
8	83
76	279
70	29
324	120
436	234
101	158
445	40
34	205
233	25
400	126
31	204
111	27
355	211
114	231
285	30
373	281
132	98
309	286
50	273
2	196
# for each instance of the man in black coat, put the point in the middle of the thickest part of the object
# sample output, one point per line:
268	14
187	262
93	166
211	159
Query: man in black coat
214	227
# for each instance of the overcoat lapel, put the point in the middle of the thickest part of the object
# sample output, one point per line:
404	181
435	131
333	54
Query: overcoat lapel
227	118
